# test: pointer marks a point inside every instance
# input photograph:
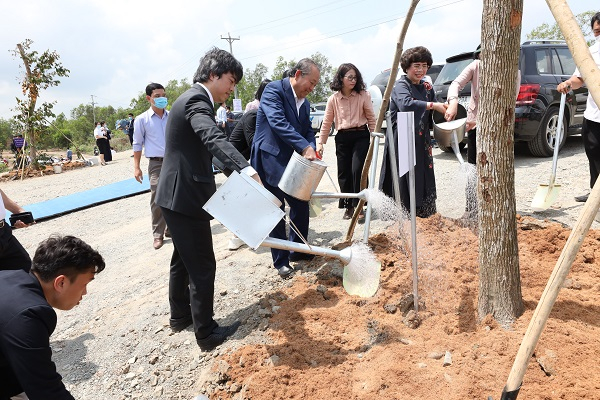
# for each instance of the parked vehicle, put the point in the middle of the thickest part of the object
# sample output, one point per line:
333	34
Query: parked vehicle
379	83
317	113
543	65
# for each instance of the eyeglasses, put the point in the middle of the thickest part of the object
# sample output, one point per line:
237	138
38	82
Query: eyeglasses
351	78
419	66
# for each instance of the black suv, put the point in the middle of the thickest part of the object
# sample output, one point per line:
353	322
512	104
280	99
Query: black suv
379	83
543	65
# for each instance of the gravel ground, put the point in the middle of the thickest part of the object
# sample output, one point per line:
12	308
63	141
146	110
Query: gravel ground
117	344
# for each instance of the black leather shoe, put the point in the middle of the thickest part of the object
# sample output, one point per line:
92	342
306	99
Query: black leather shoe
177	325
297	256
582	199
217	336
285	271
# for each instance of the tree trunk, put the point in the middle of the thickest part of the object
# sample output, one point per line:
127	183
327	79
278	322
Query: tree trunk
499	276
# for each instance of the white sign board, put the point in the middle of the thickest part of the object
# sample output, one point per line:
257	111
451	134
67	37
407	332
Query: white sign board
237	105
405	125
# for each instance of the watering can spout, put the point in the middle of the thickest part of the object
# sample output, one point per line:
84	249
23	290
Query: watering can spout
344	256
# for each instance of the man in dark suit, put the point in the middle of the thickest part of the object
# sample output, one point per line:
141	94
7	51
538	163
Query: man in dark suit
186	183
61	270
282	128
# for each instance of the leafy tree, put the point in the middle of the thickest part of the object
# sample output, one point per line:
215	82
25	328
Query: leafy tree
250	82
553	32
8	129
41	72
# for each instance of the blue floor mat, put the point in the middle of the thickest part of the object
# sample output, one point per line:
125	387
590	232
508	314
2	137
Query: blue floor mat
78	201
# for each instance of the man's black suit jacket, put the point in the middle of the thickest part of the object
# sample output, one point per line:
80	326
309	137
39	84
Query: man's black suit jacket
191	140
26	323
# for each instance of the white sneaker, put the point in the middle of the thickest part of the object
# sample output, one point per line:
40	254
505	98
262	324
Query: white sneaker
235	243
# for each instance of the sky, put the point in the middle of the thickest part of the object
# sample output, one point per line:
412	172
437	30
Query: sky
114	48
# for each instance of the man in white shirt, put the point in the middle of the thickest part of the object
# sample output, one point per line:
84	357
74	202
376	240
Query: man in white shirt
149	132
222	118
590	131
12	253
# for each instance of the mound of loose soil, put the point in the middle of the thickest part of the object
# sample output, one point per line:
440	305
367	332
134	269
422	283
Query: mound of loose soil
43	171
328	345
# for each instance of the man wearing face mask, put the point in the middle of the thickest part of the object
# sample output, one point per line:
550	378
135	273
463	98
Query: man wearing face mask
590	132
149	132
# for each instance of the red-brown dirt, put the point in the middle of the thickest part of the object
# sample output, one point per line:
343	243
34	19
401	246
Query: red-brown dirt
329	345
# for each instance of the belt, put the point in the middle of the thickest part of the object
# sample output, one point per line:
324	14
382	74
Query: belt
156	158
358	128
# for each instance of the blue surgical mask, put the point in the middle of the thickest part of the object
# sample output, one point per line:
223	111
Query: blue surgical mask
161	102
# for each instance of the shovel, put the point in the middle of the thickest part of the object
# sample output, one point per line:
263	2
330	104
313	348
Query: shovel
547	194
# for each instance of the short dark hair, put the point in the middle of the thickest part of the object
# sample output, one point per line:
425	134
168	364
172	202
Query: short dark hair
65	255
338	79
595	18
304	66
413	55
218	62
130	114
152	87
261	88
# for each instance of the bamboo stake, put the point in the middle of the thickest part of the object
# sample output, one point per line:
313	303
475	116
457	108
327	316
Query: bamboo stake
384	104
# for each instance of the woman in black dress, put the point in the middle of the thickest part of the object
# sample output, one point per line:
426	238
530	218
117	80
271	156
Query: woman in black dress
413	93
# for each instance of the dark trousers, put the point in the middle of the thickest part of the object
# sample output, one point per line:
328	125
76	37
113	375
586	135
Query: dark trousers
472	146
193	263
351	149
12	253
298	215
471	187
591	143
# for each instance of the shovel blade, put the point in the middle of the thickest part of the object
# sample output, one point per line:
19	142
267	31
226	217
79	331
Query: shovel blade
544	197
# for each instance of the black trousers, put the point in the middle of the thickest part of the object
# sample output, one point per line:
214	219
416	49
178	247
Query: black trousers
351	149
591	143
192	263
12	253
472	146
298	215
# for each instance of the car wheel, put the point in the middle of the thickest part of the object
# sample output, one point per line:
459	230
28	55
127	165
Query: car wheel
448	149
543	143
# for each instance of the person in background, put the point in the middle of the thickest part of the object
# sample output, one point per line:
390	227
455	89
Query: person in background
241	138
62	268
230	121
186	183
351	110
69	154
412	93
282	128
471	74
222	118
12	253
590	132
102	142
149	133
130	127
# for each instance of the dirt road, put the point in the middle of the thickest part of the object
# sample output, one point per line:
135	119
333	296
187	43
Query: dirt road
117	345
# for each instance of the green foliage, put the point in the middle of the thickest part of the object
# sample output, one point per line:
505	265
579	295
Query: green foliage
553	32
41	72
251	80
8	129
